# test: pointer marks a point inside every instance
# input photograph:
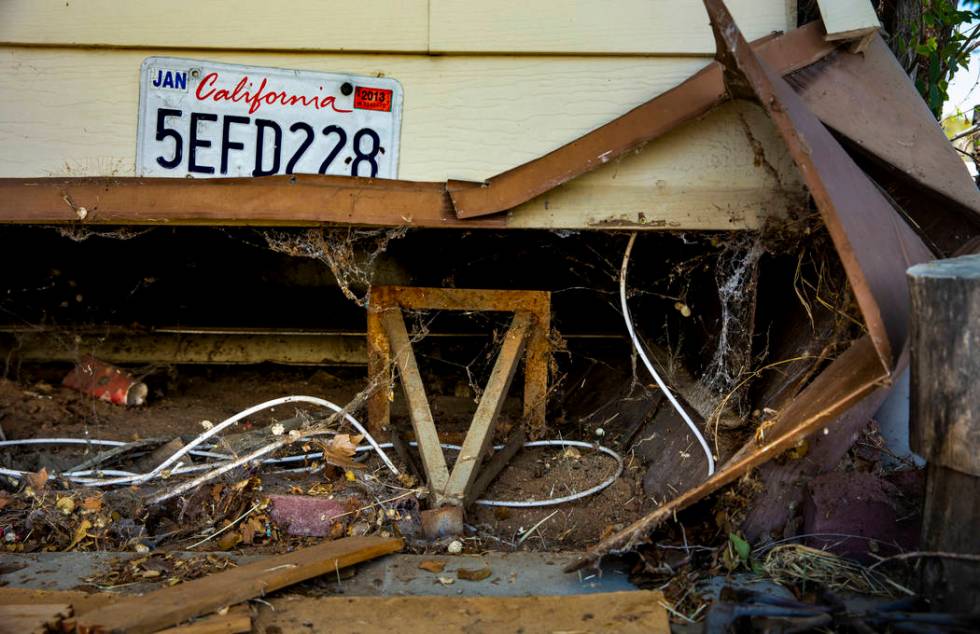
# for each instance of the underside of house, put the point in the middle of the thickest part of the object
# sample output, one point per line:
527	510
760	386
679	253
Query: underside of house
610	338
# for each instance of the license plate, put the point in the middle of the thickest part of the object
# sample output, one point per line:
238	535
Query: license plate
202	119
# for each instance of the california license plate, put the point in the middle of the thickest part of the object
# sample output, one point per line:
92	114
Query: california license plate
205	120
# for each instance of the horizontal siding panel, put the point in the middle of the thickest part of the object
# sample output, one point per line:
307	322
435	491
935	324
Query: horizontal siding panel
659	27
319	25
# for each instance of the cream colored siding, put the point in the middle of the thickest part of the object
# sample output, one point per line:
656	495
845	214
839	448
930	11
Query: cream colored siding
653	27
315	25
69	109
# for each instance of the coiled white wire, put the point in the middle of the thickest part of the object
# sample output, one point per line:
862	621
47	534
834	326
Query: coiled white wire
656	377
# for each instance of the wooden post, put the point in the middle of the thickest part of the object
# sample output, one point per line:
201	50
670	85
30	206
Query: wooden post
945	423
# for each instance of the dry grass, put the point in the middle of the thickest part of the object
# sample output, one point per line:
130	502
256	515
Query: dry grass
797	564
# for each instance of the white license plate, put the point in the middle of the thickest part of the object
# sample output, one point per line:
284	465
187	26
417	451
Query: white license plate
207	120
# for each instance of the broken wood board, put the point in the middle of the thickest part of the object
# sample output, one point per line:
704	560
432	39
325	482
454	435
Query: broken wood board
81	602
848	19
640	612
19	618
774	512
171	606
844	382
236	619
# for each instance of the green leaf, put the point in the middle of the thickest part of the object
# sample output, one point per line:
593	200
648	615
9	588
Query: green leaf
742	548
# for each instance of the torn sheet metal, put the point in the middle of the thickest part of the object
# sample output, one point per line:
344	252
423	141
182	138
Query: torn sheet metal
874	244
869	99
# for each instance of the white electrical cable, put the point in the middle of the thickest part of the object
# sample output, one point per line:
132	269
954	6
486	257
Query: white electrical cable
159	469
258	408
88	441
79	477
506	503
565	498
656	377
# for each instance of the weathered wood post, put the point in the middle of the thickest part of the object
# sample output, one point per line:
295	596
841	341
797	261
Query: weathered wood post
945	422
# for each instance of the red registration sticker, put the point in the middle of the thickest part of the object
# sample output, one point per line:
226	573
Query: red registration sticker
372	98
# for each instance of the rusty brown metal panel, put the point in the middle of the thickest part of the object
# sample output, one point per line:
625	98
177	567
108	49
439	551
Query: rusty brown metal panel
850	377
660	115
869	99
875	245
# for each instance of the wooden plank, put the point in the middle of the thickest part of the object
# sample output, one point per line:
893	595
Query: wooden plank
433	460
171	606
950	516
307	25
21	618
237	619
191	346
945	422
647	27
480	433
847	19
945	337
623	612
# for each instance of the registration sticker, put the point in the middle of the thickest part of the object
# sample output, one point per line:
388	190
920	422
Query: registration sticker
204	119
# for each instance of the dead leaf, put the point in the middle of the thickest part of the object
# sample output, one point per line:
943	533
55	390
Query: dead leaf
340	450
250	528
430	565
80	533
229	540
5	499
37	481
66	505
478	574
92	504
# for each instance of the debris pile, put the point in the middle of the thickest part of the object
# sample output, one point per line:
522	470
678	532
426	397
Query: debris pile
701	405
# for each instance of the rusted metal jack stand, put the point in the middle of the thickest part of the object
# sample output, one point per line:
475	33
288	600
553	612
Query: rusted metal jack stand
389	346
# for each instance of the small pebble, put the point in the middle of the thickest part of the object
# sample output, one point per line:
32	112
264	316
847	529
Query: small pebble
455	547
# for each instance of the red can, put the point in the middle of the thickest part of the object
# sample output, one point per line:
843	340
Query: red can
106	382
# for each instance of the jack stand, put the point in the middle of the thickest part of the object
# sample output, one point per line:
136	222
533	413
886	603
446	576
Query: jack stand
389	346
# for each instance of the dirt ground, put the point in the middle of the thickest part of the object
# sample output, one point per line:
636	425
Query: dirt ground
36	405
